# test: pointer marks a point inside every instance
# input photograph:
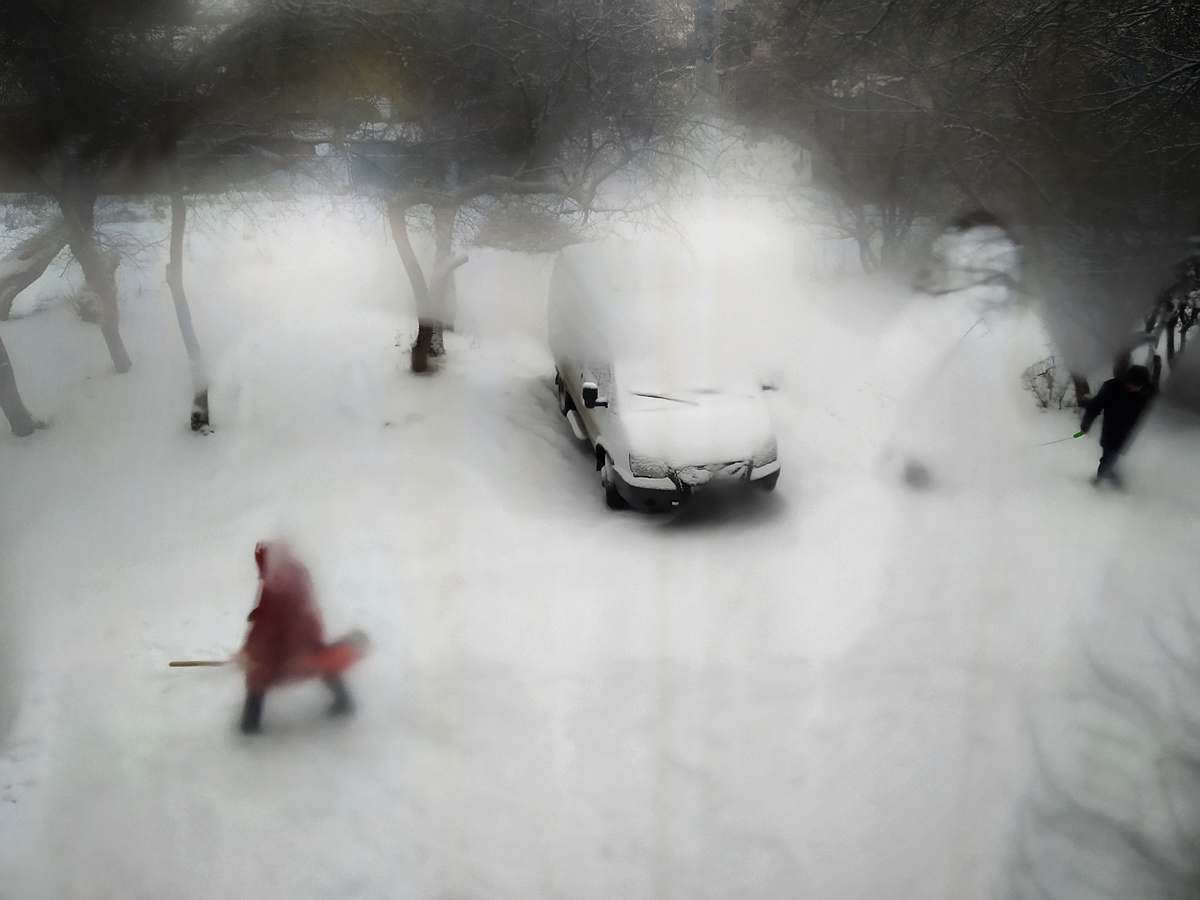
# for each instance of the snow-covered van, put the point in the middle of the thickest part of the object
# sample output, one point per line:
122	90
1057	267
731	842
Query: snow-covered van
646	374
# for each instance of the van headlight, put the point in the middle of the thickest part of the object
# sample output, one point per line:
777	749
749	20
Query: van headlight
647	466
768	453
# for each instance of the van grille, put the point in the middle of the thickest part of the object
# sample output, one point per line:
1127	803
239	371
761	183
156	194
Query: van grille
695	476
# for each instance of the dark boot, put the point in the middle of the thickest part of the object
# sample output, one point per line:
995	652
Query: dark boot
252	714
1107	470
343	704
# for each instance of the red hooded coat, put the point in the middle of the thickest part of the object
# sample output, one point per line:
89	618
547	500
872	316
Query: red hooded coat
285	626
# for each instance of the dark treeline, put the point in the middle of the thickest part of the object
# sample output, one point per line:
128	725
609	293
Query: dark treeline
521	107
1074	123
1071	123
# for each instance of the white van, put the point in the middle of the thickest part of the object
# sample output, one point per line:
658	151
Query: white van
645	374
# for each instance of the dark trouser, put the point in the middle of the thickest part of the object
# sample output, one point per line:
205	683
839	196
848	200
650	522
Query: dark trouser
343	704
1108	465
252	712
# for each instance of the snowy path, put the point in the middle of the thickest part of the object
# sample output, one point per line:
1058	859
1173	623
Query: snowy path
822	693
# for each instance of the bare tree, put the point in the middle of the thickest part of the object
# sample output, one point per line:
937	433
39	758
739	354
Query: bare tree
231	114
146	97
1074	122
27	261
555	100
19	419
75	91
78	87
850	81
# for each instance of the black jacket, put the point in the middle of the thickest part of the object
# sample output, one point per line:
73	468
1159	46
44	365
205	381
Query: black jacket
1121	407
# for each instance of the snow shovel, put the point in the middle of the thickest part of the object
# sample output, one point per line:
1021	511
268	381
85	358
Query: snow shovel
332	659
1060	440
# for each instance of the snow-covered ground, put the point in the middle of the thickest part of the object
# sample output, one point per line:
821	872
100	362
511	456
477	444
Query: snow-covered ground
828	692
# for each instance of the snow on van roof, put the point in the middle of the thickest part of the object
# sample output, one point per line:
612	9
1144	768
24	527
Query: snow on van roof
641	285
658	308
650	262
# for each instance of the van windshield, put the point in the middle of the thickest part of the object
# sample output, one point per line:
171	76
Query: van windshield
673	331
685	378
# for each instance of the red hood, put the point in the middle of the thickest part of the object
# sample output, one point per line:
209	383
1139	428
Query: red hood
285	580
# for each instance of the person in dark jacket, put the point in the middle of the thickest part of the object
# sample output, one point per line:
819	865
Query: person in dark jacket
286	641
1122	402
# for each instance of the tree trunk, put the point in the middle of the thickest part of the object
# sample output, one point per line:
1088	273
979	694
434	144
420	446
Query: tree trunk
706	45
99	272
1083	393
1122	364
25	265
398	218
443	293
10	401
1170	329
199	418
1187	318
435	297
866	256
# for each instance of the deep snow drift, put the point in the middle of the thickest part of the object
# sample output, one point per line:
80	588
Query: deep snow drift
825	693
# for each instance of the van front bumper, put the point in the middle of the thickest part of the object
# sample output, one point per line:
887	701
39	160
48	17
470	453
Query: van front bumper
657	494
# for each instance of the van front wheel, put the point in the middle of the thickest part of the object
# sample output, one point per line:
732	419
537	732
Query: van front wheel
608	478
768	483
565	403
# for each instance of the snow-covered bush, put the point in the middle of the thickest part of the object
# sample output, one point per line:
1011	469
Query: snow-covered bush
1049	383
968	255
85	303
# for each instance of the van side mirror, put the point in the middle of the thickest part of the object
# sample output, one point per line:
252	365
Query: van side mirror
591	395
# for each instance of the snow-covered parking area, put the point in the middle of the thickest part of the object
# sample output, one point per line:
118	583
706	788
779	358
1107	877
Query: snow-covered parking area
827	692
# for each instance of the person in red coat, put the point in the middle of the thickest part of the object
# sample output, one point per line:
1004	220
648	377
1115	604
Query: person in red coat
286	641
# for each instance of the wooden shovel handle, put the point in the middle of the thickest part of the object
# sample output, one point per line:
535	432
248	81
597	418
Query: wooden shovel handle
197	662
